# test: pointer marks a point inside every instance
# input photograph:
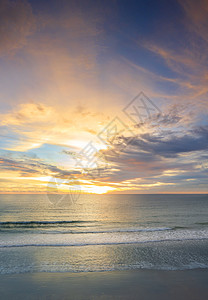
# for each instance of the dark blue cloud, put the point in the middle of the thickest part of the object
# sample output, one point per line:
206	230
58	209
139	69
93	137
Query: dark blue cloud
171	144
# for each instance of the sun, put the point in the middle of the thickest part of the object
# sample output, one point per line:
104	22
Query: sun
95	189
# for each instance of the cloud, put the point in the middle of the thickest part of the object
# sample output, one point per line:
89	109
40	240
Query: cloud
11	165
34	167
191	70
155	159
197	15
17	23
184	58
171	144
28	114
30	125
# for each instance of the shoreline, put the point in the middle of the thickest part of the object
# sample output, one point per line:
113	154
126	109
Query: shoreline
126	284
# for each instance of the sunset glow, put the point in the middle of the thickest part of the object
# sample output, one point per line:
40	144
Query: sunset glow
69	81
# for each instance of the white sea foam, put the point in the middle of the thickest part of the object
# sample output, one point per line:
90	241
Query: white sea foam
101	238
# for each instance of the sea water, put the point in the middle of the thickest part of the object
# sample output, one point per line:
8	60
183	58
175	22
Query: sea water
39	233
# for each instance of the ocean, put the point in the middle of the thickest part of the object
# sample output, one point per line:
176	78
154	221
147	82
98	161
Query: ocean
91	233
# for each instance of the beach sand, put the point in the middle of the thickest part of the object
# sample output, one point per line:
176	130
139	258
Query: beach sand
136	284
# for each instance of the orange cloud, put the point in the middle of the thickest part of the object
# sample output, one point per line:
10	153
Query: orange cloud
197	15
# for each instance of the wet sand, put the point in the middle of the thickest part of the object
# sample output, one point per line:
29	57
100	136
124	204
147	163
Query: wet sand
136	284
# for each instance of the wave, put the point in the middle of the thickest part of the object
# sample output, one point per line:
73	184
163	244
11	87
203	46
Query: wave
47	224
74	244
202	223
43	222
114	230
99	269
38	223
96	231
44	228
102	237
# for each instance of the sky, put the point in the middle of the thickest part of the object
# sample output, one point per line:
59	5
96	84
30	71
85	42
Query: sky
104	96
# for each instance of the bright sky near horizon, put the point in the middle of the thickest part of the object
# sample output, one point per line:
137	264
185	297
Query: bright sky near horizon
70	72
